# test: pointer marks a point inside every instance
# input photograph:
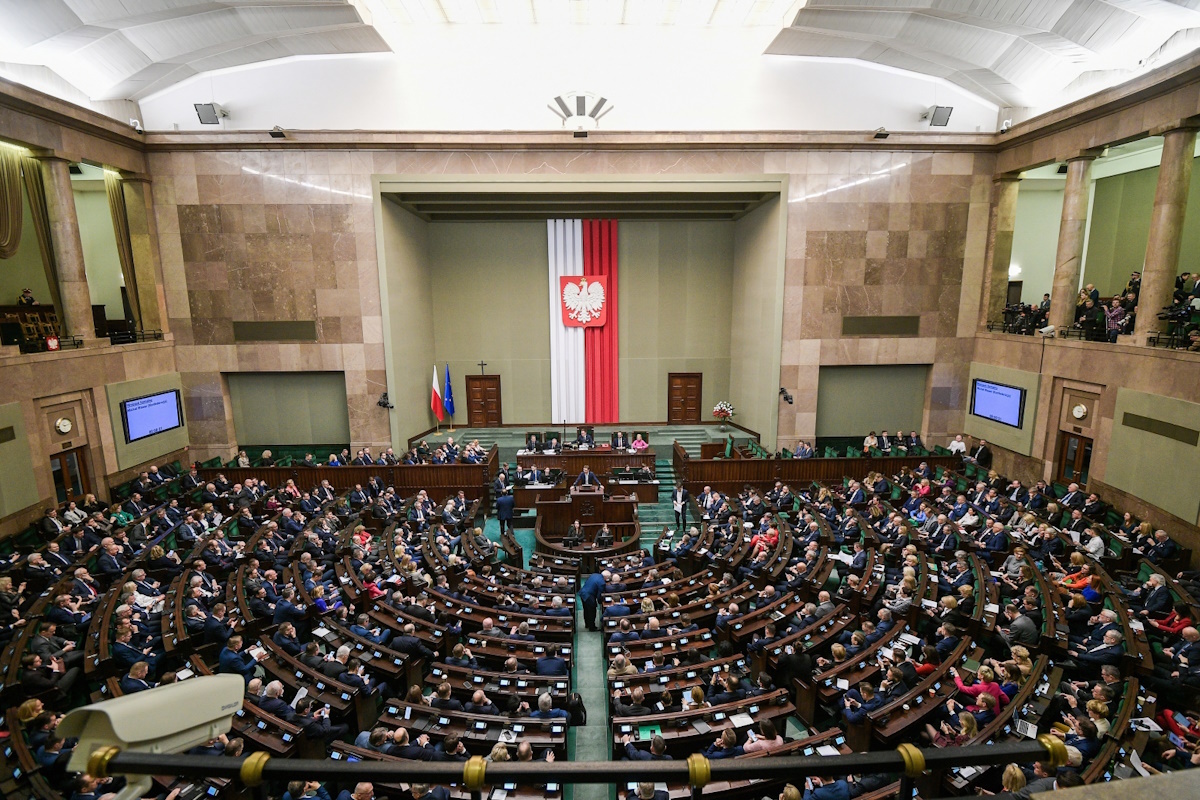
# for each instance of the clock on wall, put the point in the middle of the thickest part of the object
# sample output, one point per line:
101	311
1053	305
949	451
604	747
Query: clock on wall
63	425
1079	411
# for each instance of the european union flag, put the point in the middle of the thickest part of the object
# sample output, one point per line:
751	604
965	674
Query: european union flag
448	395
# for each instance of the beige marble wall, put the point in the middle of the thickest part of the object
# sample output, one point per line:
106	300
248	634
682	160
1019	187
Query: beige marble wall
270	235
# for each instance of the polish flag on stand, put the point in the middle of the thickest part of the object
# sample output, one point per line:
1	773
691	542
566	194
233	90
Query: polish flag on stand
435	402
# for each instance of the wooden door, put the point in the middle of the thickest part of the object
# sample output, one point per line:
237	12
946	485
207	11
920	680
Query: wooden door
1074	458
483	401
70	473
1015	289
683	397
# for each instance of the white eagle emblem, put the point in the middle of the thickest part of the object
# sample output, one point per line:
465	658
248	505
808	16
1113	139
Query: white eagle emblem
583	300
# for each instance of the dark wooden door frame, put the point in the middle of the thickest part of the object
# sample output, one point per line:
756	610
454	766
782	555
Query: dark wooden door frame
699	378
1061	461
477	417
81	461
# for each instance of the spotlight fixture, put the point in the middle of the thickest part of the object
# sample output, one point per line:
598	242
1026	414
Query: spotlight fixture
786	395
383	401
938	116
579	134
1062	169
210	113
881	133
277	133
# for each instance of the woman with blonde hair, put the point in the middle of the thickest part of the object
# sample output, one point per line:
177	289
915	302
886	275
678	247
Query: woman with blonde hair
1013	779
1020	655
950	735
1097	711
647	605
696	698
499	753
837	653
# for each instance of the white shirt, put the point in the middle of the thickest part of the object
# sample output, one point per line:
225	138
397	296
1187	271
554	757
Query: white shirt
958	446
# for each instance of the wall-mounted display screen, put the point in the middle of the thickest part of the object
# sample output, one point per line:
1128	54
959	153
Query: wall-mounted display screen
998	402
154	413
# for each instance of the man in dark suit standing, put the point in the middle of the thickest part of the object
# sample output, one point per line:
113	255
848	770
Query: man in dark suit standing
587	477
505	504
679	504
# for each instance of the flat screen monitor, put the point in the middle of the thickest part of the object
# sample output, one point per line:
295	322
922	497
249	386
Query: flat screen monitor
998	402
154	413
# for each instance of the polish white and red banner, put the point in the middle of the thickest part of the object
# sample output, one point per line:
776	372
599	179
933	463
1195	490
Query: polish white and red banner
584	369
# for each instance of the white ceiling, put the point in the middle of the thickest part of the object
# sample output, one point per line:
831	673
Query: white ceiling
1033	55
127	49
1023	53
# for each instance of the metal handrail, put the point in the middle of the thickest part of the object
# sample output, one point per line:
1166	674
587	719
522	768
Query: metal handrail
697	771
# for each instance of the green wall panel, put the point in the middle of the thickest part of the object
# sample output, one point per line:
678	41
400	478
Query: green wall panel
289	407
18	487
490	295
1159	469
853	401
676	303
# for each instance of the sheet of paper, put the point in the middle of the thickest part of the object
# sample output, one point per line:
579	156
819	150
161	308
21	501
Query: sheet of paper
301	693
828	750
1135	761
742	720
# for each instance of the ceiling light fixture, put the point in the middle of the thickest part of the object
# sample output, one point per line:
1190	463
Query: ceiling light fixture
881	133
277	133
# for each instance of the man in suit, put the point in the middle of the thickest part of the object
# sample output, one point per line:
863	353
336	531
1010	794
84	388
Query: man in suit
136	679
657	752
215	629
315	722
232	660
825	789
51	526
273	703
50	646
1074	498
679	503
134	507
981	455
551	664
587	478
423	791
1155	597
505	508
620	441
584	436
590	594
646	791
192	480
854	494
1108	652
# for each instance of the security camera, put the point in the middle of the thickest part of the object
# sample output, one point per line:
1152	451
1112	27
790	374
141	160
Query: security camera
383	401
1047	332
1006	126
786	396
201	710
136	124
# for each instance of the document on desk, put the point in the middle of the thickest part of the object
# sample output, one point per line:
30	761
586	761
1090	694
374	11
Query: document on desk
301	693
742	720
828	750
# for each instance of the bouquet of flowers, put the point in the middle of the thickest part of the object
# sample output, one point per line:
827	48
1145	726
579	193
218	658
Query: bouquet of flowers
723	411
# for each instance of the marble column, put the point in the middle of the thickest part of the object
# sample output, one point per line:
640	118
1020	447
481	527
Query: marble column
1000	243
143	240
1068	260
68	248
1166	230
